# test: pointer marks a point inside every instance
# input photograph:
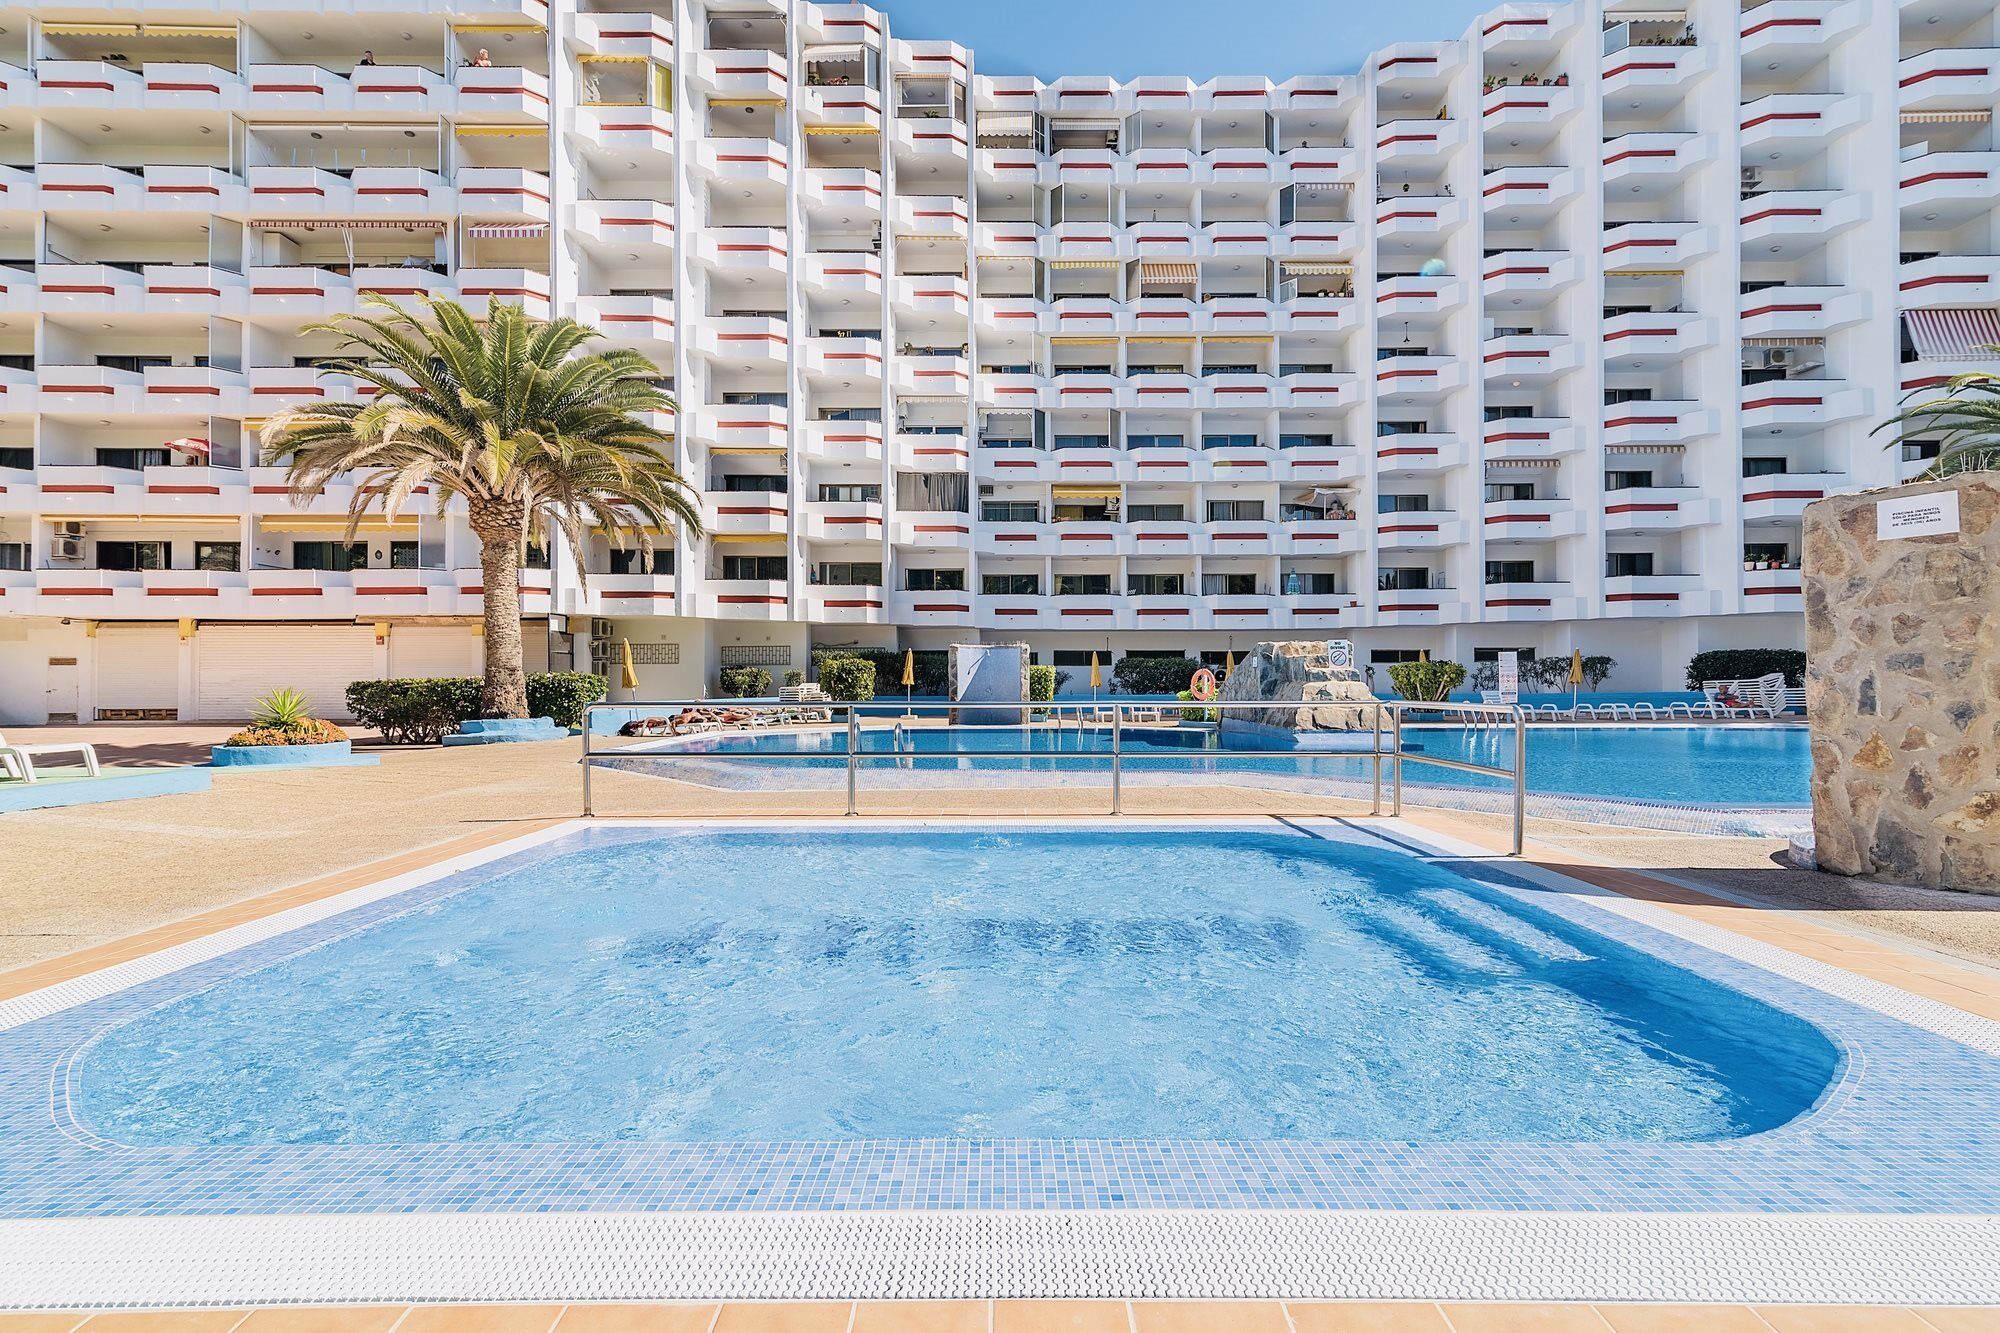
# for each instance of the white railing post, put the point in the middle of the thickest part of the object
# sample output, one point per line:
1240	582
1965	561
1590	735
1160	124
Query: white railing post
1396	760
853	755
1375	755
587	811
1117	753
1520	780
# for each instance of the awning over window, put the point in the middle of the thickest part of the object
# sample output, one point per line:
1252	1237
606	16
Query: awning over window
1946	117
829	54
507	231
347	224
1323	185
1006	125
1645	448
1522	462
1156	273
1316	268
1085	123
1083	342
1085	263
1784	342
1087	493
1954	335
840	130
500	131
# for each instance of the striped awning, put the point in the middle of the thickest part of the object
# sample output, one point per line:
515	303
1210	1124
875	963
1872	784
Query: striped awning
1946	117
1083	342
1784	342
1087	492
1316	268
1323	185
1645	16
1006	125
746	448
826	54
1954	335
1085	263
1522	462
344	224
838	130
500	131
1647	273
507	231
1159	273
1645	448
1089	123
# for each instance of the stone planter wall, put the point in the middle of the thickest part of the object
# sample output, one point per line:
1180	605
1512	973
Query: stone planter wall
1903	689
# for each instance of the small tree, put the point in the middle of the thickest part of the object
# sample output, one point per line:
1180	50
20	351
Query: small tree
848	679
1426	682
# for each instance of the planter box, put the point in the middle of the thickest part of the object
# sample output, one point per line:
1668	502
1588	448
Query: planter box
338	754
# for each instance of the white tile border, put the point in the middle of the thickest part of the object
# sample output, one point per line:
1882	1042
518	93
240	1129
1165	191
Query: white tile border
1216	1253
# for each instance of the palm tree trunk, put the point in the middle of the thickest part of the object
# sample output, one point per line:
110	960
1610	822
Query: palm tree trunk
499	527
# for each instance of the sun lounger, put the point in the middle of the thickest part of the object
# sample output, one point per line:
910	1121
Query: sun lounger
1645	712
19	760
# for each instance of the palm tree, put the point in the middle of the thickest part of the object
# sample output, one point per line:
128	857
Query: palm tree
1965	422
508	415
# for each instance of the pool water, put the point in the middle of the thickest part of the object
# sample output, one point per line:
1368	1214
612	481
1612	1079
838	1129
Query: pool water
1703	765
781	985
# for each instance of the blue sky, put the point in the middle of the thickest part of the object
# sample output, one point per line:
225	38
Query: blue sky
1202	38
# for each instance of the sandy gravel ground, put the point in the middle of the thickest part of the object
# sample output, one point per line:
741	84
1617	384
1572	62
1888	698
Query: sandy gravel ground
78	876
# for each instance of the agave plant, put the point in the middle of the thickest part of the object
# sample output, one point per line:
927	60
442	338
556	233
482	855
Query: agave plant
1965	423
281	710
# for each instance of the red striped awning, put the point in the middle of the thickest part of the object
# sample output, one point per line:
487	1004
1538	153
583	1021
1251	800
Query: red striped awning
1954	335
343	224
507	231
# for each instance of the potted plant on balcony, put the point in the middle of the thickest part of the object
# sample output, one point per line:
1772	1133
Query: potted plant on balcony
283	733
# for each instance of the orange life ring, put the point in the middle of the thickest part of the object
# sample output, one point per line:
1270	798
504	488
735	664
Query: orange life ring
1202	686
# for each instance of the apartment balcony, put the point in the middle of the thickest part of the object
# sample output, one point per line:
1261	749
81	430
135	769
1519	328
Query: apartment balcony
1529	438
195	389
1529	602
626	595
1240	610
930	295
940	217
755	428
1659	421
847	521
931	376
1008	166
1085	537
1317	239
1319	166
933	531
1950	280
1417	142
1518	195
1643	509
746	76
760	254
298	292
932	608
850	276
1783	496
642	225
84	489
1008	240
1316	389
1950	79
1800	407
1648	338
745	514
940	142
401	192
295	89
1650	163
1015	538
1802	218
1241	537
1952	186
917	452
1788	128
644	323
856	443
504	194
1528	358
1008	391
98	390
1414	66
632	36
1418	530
1236	391
842	362
297	191
1417	606
846	193
1412	217
19	389
525	287
1773	590
1773	312
409	89
1643	246
1414	297
1526	113
1164	610
743	342
1319	536
96	187
1417	452
1530	520
857	110
1527	279
1418	376
742	599
1634	595
1320	610
1792	35
1653	76
91	289
94	85
742	162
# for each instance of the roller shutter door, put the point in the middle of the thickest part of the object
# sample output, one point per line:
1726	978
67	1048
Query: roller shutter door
138	670
434	650
235	664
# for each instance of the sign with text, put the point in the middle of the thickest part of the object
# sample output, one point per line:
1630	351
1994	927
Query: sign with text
1917	516
1340	654
1509	678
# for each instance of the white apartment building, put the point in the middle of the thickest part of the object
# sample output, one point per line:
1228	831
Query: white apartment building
1535	339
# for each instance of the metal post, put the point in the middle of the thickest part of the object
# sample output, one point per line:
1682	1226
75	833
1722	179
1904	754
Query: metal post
1396	760
1375	754
1117	751
587	812
853	754
1520	779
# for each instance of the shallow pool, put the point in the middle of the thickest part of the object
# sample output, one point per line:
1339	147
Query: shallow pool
788	984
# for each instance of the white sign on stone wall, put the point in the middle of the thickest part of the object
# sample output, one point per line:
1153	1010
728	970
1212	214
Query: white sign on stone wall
1508	678
1917	516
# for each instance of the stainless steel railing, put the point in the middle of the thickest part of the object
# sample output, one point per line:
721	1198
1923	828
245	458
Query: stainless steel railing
1113	716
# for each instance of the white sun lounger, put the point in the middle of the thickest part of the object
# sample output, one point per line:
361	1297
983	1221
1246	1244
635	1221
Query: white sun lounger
19	760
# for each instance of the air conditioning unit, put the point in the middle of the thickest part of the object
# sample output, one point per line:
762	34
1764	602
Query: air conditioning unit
600	628
69	528
1751	177
1777	358
988	490
66	548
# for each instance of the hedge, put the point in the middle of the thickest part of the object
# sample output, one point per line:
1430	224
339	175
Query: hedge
1195	713
1427	682
1043	682
419	710
1154	675
848	679
745	682
932	668
1746	664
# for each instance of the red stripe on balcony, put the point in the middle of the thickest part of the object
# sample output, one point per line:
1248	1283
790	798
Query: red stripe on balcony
183	490
287	592
183	592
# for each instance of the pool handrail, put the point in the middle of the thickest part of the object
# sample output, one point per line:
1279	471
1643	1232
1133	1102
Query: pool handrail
1391	711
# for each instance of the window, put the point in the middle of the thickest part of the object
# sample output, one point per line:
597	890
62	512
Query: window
1295	441
13	555
631	560
1508	412
1229	585
1229	370
132	459
1083	585
1914	451
1080	657
1229	441
1628	565
1236	511
851	414
851	493
537	557
1391	656
1011	585
1083	441
1764	467
749	485
755	400
1766	553
1402	428
1612	397
337	556
1298	581
754	568
1156	585
1627	481
17	457
1493	654
1402	504
1305	368
1394	579
849	573
1085	511
1156	442
1010	511
1499	492
1156	513
934	580
226	557
1510	571
404	555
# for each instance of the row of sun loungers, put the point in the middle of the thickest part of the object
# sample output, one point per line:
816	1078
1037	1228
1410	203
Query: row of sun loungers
1645	712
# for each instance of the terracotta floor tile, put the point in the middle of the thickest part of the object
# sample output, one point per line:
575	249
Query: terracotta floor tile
637	1319
1842	1319
785	1317
165	1321
1683	1319
480	1319
40	1323
1208	1317
1961	1319
920	1317
1366	1317
1060	1317
325	1319
1547	1317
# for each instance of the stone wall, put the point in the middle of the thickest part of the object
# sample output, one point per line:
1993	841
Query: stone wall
1903	689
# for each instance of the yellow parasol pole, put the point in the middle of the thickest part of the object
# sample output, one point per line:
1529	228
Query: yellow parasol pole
1575	675
909	679
628	674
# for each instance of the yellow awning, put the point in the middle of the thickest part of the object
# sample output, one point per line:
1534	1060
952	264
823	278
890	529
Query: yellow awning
220	520
1083	342
1087	493
1237	338
91	29
1317	267
746	101
212	31
1946	117
844	129
503	131
1647	273
746	537
313	523
746	449
499	27
1181	338
613	60
1085	263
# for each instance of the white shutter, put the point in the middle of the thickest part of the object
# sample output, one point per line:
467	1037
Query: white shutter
138	666
237	664
434	650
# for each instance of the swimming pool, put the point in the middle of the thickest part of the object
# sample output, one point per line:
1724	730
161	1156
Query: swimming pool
1144	984
1728	766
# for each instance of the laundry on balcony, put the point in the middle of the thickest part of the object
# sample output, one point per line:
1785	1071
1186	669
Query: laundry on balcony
1954	335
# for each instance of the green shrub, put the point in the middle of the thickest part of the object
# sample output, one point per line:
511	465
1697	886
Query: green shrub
1426	682
1746	664
281	710
930	666
795	677
561	695
848	679
1154	675
1042	684
1196	714
414	710
1551	674
745	682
